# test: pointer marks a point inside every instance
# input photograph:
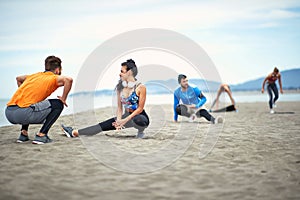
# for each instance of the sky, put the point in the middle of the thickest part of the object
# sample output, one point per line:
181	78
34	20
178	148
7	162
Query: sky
244	39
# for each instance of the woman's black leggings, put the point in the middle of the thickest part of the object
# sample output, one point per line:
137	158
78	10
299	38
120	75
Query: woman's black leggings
139	122
272	87
183	110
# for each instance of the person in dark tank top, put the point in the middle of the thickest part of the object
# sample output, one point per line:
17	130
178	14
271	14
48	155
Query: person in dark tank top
272	88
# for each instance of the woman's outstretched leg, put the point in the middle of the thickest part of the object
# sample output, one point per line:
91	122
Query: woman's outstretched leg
139	122
91	130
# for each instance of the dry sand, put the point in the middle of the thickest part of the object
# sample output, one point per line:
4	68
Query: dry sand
257	156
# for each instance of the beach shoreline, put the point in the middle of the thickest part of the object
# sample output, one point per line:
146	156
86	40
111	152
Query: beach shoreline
106	101
256	156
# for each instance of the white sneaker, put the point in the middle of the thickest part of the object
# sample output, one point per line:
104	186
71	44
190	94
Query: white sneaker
274	104
219	120
192	118
272	111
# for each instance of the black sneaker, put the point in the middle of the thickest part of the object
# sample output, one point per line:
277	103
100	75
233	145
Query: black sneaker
41	139
22	138
67	130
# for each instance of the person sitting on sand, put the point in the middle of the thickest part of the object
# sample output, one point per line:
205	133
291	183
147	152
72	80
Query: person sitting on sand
131	95
223	88
28	104
271	80
192	100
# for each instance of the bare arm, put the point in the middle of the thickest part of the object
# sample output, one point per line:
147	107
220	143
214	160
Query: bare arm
120	107
263	85
117	125
67	83
20	79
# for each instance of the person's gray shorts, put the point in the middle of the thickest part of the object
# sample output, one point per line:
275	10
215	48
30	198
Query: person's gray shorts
34	114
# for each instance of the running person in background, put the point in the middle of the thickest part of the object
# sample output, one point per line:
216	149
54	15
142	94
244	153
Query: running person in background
132	96
188	102
28	104
223	88
271	87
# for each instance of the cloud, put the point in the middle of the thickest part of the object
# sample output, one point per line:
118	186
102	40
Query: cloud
98	25
73	29
268	25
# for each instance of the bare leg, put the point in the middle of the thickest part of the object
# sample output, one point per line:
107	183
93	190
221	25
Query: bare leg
231	98
216	101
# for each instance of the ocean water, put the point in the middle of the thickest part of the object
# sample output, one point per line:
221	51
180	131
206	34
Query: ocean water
3	120
108	101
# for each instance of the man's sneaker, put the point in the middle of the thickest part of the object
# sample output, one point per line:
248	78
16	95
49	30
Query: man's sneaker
41	139
192	118
219	120
272	111
67	130
22	138
140	135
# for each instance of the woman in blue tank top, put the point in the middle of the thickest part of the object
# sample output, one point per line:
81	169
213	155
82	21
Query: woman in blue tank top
131	97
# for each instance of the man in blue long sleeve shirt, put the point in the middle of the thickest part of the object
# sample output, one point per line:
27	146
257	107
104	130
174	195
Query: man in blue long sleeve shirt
189	100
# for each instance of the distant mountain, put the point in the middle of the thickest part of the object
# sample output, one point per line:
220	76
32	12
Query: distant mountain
290	80
168	86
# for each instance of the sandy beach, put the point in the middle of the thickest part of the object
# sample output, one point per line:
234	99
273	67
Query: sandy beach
252	155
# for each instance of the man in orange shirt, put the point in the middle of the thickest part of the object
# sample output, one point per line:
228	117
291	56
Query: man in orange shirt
28	104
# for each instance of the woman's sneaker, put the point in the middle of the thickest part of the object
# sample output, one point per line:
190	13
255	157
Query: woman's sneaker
22	138
67	130
41	139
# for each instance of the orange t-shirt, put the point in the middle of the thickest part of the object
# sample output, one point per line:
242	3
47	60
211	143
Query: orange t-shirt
36	87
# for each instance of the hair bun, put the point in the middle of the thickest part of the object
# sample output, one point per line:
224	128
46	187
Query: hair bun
130	61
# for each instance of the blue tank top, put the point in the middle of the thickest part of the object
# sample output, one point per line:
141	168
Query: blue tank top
131	102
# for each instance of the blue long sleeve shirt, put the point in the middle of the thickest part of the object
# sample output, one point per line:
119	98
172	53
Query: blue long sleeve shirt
191	96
